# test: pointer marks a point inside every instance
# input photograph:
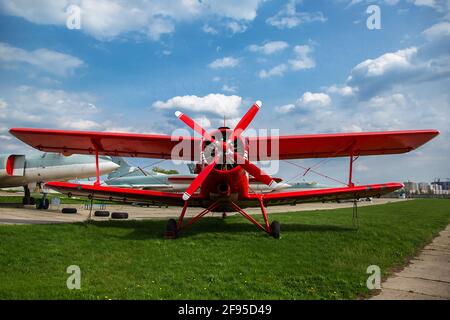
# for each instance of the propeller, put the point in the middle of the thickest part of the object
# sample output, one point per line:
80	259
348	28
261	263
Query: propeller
245	121
199	179
194	125
226	150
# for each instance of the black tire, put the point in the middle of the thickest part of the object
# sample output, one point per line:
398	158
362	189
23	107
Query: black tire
39	204
119	215
275	227
100	213
46	204
69	210
171	229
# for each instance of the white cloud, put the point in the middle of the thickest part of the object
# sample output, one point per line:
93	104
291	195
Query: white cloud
441	29
310	99
344	91
226	62
33	107
236	27
269	47
208	29
81	124
303	60
278	70
288	17
108	19
285	108
229	89
426	3
203	121
212	103
47	60
387	62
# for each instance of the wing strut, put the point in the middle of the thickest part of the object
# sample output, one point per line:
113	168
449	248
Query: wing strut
97	169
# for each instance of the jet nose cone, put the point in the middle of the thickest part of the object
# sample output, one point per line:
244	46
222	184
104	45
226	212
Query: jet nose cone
107	166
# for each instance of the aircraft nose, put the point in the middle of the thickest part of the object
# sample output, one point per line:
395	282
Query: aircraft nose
107	166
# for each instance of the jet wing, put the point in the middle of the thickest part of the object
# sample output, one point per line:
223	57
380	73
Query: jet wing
319	195
122	194
108	143
337	144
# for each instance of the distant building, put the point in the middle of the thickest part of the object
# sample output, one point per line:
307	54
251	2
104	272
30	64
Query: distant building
411	187
424	187
443	186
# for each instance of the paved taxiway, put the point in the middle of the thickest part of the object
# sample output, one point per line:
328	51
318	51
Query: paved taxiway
427	277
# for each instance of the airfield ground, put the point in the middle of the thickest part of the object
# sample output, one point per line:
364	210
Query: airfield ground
27	215
320	255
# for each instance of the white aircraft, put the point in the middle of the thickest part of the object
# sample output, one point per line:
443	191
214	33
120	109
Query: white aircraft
18	170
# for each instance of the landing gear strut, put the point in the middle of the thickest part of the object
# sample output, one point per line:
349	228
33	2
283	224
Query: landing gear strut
27	198
174	227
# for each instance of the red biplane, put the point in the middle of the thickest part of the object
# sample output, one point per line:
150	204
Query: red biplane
224	163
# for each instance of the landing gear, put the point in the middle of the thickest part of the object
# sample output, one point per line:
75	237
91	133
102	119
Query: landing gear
27	198
42	204
275	229
172	229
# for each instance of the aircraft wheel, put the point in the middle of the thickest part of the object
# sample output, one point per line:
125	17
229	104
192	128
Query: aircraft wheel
171	230
275	226
46	204
39	204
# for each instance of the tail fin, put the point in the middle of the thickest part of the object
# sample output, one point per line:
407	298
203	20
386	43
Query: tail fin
122	170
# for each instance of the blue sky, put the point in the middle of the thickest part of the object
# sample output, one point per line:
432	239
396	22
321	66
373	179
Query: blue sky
314	64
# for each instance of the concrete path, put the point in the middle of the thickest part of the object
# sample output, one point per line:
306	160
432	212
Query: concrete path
426	277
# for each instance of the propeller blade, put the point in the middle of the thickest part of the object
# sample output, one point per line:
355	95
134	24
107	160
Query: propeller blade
245	120
256	172
194	125
199	179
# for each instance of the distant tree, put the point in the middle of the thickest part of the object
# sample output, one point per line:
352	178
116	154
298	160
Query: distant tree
161	170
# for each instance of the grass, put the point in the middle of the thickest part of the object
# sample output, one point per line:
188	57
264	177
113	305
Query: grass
320	255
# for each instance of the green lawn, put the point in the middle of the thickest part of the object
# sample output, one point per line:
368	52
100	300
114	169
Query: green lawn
320	255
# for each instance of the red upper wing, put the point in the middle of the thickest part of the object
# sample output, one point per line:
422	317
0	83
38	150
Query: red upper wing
107	143
337	144
318	195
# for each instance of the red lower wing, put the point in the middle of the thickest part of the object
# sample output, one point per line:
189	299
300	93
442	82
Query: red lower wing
122	194
318	195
